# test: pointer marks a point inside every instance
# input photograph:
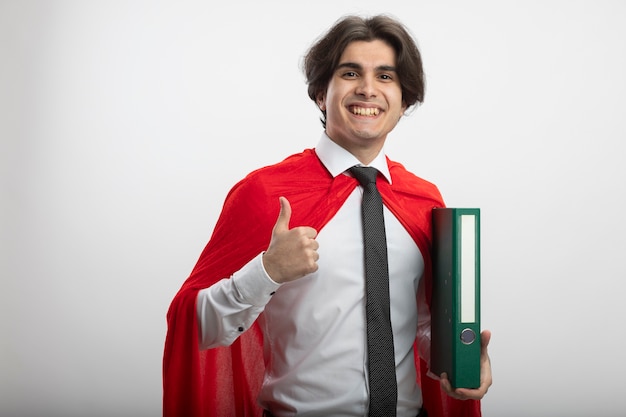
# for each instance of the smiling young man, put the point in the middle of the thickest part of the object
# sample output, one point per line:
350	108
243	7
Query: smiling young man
272	319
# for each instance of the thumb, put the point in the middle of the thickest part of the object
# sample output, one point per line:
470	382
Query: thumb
282	223
485	337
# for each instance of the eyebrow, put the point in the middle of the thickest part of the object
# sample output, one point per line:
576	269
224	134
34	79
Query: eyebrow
353	65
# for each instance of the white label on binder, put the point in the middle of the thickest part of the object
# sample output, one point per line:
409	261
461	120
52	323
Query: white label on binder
468	268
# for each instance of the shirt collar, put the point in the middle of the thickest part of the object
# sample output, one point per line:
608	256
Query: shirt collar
338	160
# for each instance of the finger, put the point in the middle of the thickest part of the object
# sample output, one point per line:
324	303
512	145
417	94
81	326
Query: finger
309	232
470	394
282	223
459	393
445	383
485	337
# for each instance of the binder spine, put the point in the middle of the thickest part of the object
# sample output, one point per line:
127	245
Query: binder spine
456	295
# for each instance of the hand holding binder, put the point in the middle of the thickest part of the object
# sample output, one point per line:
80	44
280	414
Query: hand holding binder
456	348
485	375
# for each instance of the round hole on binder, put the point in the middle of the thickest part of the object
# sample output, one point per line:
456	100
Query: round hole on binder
468	336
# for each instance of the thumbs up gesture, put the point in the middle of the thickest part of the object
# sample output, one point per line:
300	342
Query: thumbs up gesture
292	253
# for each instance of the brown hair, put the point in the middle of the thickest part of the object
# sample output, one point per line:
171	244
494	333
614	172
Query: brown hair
323	57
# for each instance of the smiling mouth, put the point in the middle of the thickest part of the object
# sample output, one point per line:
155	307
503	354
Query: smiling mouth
365	111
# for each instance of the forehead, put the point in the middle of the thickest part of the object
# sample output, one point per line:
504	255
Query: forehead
376	52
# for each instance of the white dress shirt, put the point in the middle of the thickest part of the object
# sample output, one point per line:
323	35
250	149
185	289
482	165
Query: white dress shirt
314	327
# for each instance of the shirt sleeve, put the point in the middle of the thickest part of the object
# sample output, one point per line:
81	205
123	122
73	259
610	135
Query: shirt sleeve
230	306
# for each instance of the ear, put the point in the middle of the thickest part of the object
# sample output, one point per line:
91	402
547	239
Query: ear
320	99
404	108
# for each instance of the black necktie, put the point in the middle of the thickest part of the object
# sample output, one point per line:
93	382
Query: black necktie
381	366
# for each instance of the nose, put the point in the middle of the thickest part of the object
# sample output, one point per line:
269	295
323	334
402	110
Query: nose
366	87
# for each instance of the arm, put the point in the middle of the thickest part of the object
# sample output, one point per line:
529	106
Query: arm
423	323
230	306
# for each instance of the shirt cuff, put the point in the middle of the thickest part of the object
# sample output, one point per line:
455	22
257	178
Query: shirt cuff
254	284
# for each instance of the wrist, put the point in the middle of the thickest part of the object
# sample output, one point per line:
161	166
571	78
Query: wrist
270	272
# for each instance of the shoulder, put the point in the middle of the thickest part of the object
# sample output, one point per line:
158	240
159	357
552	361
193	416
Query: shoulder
262	187
252	203
304	160
282	176
408	183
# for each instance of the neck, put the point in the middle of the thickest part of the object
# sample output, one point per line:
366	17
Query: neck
365	153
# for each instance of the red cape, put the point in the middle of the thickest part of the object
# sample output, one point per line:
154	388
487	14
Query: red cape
225	381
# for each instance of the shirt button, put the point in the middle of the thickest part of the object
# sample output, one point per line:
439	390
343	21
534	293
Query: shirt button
240	328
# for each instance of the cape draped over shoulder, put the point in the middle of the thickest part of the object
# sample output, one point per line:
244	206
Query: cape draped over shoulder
225	381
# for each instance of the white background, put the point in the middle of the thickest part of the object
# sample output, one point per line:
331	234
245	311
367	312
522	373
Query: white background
115	116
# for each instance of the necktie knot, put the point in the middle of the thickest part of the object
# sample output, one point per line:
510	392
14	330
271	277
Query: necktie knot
365	175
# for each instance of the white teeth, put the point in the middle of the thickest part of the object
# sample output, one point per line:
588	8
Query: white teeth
365	111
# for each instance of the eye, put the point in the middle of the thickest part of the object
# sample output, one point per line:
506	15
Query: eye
386	77
349	74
